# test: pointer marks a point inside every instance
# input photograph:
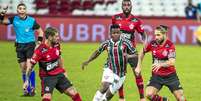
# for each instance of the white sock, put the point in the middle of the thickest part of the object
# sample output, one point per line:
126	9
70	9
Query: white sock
104	97
98	96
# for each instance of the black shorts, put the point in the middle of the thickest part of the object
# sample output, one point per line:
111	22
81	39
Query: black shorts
171	81
60	82
24	51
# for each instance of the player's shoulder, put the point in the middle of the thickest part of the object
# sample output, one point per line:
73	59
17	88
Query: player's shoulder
118	16
41	48
134	18
125	40
105	42
152	43
30	18
169	43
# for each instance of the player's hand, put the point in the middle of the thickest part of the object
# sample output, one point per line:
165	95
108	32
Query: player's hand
84	64
25	85
38	44
4	10
156	67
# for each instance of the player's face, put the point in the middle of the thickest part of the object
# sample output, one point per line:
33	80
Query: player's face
21	10
160	37
126	7
55	38
115	34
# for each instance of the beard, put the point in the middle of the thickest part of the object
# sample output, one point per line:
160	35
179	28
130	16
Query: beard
160	41
127	12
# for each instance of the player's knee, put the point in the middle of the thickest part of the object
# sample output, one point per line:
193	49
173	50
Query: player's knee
181	98
71	91
104	87
46	97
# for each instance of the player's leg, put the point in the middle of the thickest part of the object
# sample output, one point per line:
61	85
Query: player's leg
47	86
22	62
138	77
114	87
64	85
121	93
175	87
29	53
155	84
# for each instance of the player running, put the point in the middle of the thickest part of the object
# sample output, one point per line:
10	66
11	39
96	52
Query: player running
24	27
115	67
163	66
51	71
129	24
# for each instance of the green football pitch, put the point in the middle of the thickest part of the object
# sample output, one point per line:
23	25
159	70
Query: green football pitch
188	65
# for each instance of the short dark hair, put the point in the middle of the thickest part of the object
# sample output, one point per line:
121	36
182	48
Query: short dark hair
50	31
126	0
21	4
114	26
162	28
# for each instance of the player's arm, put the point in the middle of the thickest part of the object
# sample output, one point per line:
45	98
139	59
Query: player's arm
61	64
40	32
94	55
131	49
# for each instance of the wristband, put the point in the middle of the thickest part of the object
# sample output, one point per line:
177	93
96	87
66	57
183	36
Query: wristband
40	38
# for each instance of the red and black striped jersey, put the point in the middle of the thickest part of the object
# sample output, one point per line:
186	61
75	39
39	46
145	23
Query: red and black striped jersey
48	59
161	53
128	26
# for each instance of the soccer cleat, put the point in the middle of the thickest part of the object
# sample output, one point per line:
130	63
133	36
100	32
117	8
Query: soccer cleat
26	93
33	92
165	99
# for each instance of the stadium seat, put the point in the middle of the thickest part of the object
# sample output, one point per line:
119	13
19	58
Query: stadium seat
76	4
65	7
40	4
110	1
53	6
87	4
99	1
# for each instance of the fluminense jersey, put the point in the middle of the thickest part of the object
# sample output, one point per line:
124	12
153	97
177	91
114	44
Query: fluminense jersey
160	54
128	26
48	58
116	60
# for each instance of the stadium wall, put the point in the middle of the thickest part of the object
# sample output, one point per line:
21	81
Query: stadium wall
89	29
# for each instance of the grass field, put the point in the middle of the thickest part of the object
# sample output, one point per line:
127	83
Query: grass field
87	82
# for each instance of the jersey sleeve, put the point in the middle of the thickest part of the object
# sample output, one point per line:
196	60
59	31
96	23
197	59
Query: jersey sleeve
130	46
36	25
10	20
103	46
147	48
139	27
36	56
172	52
113	19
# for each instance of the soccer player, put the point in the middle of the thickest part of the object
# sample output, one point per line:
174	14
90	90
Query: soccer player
24	27
51	71
115	67
129	24
163	66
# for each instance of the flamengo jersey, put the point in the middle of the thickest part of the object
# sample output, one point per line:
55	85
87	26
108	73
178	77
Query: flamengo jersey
116	60
162	54
48	58
128	26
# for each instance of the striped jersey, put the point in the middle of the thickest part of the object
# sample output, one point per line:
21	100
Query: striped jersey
117	60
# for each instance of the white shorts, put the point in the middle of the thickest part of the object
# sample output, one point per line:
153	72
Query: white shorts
115	80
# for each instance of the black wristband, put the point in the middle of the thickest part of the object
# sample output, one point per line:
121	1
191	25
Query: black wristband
1	17
40	38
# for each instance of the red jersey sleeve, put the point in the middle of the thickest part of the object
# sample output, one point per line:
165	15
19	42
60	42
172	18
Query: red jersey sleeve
113	19
172	51
139	27
147	48
36	56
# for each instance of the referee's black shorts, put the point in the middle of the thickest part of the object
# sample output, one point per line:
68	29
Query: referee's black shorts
171	81
24	51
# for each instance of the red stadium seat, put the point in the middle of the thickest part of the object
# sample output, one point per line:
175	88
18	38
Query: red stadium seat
87	4
40	4
65	6
76	4
99	1
110	1
53	6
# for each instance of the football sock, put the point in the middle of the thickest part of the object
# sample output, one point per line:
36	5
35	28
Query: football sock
140	85
155	98
24	79
98	96
76	97
46	99
121	92
32	79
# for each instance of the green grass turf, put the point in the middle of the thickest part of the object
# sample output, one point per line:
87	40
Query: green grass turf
88	81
